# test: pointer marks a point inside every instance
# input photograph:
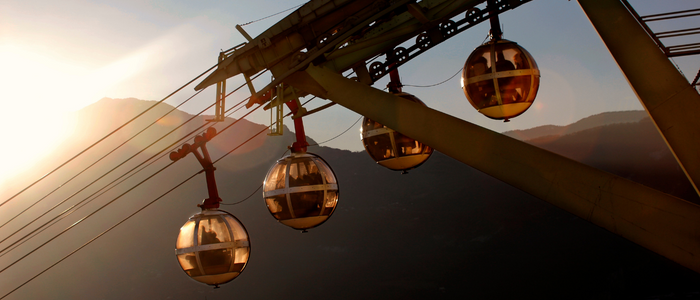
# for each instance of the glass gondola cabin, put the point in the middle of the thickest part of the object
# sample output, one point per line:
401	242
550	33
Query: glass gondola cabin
390	148
213	247
500	79
301	191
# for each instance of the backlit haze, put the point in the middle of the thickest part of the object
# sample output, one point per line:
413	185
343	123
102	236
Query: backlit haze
59	56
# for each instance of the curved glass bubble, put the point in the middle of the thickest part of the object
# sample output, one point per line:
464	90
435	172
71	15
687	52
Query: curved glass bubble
500	79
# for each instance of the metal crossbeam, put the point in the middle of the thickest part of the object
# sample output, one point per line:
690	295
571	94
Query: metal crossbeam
660	222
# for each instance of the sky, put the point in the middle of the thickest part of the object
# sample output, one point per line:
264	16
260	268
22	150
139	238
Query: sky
57	57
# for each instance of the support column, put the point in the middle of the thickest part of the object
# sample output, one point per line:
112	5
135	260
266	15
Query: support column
672	103
657	221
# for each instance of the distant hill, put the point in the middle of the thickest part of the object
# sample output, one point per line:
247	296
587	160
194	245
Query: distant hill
593	121
443	231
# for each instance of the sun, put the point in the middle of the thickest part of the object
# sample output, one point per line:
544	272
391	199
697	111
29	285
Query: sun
36	103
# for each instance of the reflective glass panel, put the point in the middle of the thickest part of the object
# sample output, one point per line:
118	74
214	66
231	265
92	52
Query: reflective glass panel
307	174
509	56
237	267
520	61
213	230
379	147
188	262
239	232
241	255
293	173
275	179
331	202
406	146
278	207
503	64
330	176
479	62
482	94
368	124
315	176
186	237
535	87
307	204
216	261
514	89
506	89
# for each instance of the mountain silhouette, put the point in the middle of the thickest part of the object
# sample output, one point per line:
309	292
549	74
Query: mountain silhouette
602	119
443	231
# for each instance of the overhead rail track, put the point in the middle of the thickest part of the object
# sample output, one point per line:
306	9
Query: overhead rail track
347	34
673	50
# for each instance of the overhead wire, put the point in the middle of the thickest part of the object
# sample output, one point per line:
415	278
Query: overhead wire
270	16
439	83
85	201
134	213
98	191
116	167
125	219
97	161
103	138
95	238
112	201
285	152
335	137
317	144
116	198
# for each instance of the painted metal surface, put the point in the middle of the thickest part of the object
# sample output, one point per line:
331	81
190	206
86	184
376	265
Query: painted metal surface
667	96
662	223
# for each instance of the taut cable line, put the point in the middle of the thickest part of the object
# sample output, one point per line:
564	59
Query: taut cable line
128	217
83	202
93	182
105	137
121	195
112	151
97	161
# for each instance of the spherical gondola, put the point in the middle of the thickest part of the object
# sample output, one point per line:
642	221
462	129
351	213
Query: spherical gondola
392	149
301	191
213	247
500	79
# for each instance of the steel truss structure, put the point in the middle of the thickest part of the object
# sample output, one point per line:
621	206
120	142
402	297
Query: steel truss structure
310	49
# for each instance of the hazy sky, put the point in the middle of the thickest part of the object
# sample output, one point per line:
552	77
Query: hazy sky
59	56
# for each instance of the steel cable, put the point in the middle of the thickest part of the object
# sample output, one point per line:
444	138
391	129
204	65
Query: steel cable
105	137
74	194
123	220
113	169
83	202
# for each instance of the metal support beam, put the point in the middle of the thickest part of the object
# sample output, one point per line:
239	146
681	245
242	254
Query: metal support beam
657	221
672	103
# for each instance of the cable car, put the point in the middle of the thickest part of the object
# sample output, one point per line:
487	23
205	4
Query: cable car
500	79
213	247
390	148
301	190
